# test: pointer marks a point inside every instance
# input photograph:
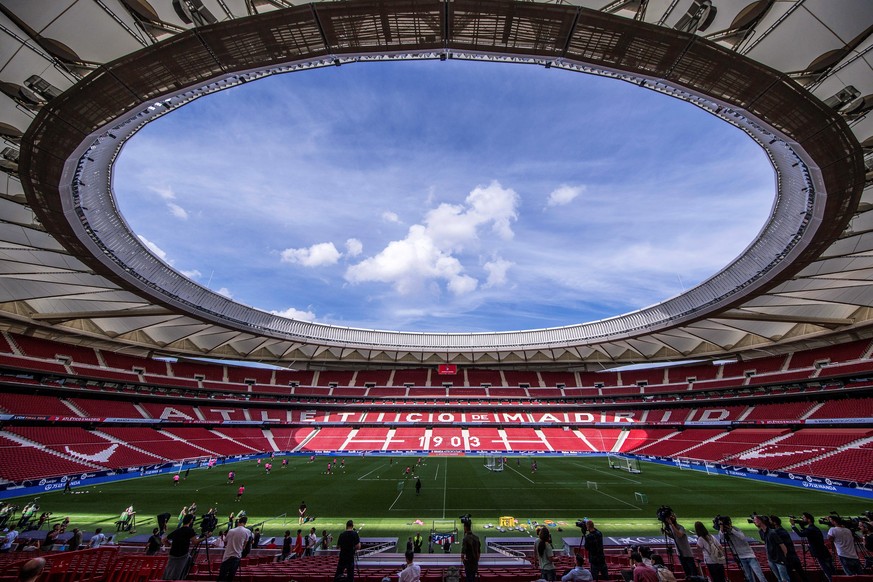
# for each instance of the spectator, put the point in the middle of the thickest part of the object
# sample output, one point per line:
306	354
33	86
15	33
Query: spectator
664	573
9	540
737	541
713	554
325	541
642	573
299	547
579	573
98	539
31	570
286	546
237	546
844	543
154	543
311	542
75	541
471	550
412	572
545	554
348	543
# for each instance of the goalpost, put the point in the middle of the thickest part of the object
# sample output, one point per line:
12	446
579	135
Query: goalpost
494	463
629	464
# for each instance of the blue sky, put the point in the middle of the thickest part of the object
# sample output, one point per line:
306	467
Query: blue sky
444	196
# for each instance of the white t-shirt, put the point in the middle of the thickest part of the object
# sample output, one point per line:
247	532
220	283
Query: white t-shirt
97	540
235	542
844	542
11	536
411	573
739	543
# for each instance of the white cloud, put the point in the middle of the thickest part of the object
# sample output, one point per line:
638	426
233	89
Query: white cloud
389	216
155	249
192	274
564	195
409	262
497	272
177	211
453	226
354	247
317	255
293	313
427	251
226	292
164	192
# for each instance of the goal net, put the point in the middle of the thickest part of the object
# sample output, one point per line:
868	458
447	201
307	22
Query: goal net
629	464
494	463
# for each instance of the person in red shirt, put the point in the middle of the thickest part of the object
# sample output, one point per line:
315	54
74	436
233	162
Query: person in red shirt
240	491
642	573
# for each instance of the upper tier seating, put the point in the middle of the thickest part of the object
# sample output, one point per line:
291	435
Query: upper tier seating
106	408
519	377
556	378
239	374
699	372
781	411
50	350
845	408
340	378
129	363
190	370
300	377
374	377
416	377
33	404
841	353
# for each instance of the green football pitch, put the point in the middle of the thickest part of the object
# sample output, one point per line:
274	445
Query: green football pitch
374	493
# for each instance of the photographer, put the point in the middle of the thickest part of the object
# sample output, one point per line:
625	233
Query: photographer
593	543
776	550
713	554
844	542
736	540
792	561
180	541
686	556
815	541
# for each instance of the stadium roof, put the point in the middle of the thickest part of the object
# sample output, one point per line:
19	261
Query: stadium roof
80	77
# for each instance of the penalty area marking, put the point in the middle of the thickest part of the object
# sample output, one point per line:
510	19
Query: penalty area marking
362	477
522	475
634	481
395	501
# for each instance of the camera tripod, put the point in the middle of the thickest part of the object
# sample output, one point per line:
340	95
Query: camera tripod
727	543
668	546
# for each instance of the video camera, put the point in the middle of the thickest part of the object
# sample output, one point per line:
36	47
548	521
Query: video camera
719	522
208	523
664	512
466	519
582	523
853	523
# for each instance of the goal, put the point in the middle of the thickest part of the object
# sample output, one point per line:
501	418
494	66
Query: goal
494	463
629	464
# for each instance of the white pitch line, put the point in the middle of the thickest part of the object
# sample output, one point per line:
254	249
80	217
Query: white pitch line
437	473
634	481
524	476
395	501
445	486
637	507
361	478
